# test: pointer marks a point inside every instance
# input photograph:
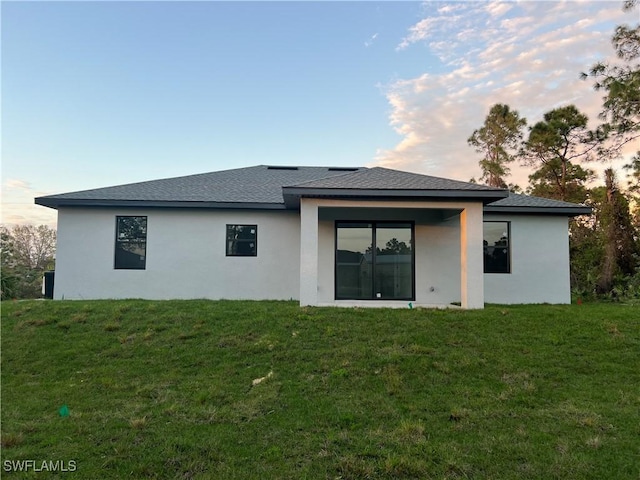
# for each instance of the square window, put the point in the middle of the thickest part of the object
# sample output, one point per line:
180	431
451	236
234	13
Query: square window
131	243
242	240
497	247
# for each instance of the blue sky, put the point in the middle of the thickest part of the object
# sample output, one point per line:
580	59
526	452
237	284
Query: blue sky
103	93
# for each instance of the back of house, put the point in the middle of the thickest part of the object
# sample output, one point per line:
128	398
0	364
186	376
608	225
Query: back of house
320	235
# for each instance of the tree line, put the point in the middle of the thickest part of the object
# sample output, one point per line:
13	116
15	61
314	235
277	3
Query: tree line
605	247
27	252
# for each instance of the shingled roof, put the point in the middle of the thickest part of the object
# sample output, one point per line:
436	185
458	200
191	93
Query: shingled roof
378	178
377	182
516	203
280	187
250	187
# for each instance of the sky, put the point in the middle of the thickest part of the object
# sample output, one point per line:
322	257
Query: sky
96	94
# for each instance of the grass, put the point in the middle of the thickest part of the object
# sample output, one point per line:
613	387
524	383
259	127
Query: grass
244	390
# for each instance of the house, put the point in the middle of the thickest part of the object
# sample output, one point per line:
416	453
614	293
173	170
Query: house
321	235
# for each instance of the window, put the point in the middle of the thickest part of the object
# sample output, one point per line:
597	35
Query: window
242	240
374	260
131	243
497	247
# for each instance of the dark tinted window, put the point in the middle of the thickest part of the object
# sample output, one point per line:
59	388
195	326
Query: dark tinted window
242	240
497	247
374	260
131	243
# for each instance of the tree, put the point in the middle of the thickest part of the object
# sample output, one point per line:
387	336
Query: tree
545	181
498	140
620	83
8	277
586	252
26	252
394	246
633	167
619	236
555	147
633	185
604	248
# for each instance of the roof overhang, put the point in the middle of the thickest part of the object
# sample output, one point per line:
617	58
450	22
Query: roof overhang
292	195
53	202
561	211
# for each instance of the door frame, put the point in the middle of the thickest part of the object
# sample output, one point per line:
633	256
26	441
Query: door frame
374	226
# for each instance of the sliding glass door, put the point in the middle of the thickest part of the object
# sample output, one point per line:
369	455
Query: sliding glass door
374	260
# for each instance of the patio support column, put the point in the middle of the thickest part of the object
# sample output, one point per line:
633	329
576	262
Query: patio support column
308	252
471	257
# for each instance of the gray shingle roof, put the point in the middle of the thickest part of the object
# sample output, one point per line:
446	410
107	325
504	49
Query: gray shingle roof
265	186
383	183
261	184
379	178
516	203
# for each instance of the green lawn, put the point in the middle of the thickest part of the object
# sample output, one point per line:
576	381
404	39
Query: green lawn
199	389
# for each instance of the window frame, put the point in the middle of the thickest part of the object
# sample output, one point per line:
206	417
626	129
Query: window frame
509	267
374	227
228	240
119	263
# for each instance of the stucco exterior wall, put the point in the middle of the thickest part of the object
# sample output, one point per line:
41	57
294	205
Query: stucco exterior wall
438	263
539	262
186	256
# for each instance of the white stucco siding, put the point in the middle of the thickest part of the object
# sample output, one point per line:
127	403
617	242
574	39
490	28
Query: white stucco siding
471	253
186	256
539	262
438	262
309	253
326	261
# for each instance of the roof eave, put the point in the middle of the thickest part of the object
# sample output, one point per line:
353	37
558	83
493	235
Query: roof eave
563	211
292	195
74	202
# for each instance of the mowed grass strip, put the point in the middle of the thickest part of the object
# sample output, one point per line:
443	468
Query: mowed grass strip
203	389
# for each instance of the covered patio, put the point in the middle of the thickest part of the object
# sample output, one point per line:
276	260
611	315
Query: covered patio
375	253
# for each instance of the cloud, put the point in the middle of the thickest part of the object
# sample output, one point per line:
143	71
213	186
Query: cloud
13	183
369	42
18	207
528	55
497	9
425	28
